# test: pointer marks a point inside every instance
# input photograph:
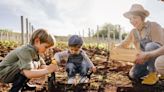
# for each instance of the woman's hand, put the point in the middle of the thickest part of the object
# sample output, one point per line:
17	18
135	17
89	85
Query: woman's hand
142	57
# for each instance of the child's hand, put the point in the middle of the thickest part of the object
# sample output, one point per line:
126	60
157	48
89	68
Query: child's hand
93	69
52	68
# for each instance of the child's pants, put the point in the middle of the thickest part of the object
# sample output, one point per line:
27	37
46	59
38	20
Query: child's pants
72	69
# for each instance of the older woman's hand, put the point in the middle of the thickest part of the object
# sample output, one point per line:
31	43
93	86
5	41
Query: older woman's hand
142	57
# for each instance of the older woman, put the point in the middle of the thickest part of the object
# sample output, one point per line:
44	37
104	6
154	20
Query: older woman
146	36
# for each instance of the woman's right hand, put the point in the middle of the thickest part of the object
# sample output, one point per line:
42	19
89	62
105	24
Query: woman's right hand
142	57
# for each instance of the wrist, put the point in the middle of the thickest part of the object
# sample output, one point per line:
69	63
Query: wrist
149	55
47	71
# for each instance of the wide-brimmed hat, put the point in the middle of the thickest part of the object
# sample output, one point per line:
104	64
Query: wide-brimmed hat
136	8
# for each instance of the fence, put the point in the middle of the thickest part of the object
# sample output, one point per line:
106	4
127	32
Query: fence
10	36
27	29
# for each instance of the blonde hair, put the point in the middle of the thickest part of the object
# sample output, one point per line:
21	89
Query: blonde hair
43	36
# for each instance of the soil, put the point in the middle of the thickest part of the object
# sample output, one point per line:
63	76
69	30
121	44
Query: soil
109	76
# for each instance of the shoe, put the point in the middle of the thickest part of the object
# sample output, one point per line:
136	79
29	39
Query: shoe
19	82
71	80
150	79
28	86
83	79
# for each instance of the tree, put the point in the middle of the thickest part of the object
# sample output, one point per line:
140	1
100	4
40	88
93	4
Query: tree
113	29
124	36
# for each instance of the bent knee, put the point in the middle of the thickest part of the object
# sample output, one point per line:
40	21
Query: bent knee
151	46
159	64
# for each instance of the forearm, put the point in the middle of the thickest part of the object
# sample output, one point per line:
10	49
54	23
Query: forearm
35	73
157	52
43	66
125	43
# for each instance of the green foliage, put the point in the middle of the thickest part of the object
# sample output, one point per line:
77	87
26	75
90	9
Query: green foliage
61	44
8	43
5	30
94	45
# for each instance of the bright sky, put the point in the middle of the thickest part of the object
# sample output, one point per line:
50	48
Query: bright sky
64	17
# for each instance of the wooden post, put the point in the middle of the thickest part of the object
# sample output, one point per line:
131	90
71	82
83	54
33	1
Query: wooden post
0	36
114	36
83	36
30	30
32	27
108	39
22	30
92	34
7	36
83	32
27	31
89	35
120	33
97	35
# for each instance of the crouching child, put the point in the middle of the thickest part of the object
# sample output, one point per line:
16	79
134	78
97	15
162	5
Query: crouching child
25	62
77	60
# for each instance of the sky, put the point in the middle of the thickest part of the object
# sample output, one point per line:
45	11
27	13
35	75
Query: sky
67	17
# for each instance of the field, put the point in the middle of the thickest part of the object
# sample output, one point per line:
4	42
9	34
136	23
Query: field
109	76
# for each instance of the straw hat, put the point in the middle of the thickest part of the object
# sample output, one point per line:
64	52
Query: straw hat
136	8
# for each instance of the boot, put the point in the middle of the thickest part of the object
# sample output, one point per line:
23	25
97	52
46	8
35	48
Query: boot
150	79
29	87
17	85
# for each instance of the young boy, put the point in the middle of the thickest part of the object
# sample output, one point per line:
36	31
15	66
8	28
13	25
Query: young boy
24	63
77	60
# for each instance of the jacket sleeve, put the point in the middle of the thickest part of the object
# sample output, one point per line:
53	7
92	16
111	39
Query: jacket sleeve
87	59
25	59
61	56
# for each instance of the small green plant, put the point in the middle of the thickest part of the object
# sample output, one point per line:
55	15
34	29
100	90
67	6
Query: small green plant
8	43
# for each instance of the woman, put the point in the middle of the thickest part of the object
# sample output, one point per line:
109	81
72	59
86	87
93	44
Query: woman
145	36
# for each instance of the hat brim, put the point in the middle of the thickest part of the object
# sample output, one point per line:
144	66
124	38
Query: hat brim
130	13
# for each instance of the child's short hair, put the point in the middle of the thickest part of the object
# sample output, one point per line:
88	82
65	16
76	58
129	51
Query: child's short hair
43	36
75	40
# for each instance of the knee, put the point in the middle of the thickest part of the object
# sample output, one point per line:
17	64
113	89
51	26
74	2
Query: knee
151	46
136	74
70	67
132	74
159	64
84	68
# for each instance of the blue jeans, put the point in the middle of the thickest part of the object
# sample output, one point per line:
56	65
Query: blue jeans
140	70
73	69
